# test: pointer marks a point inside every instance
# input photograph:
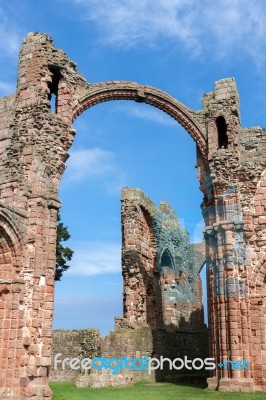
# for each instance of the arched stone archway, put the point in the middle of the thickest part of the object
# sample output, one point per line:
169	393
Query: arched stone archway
106	91
33	149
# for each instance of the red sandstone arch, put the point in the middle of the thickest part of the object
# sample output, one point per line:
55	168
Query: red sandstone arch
258	276
12	296
106	91
9	245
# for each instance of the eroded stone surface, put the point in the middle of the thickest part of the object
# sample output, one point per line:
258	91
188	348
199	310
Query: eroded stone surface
162	286
163	311
34	144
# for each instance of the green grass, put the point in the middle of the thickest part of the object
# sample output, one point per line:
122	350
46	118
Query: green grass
145	391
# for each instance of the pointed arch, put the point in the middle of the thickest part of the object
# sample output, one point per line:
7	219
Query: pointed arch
166	261
10	244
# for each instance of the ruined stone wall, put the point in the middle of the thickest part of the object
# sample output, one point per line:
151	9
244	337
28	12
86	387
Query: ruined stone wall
141	300
162	303
234	210
74	343
158	257
30	172
6	111
130	339
34	143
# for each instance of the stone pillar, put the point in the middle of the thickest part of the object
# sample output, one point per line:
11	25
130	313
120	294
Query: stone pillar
138	260
34	144
30	173
229	200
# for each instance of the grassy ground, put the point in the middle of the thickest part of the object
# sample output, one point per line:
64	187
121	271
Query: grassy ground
144	391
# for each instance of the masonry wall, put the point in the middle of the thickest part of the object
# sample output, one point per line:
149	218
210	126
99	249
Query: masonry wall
231	166
6	113
163	311
74	343
129	339
160	267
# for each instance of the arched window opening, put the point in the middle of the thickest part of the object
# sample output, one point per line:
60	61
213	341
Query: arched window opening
7	270
166	263
222	133
53	87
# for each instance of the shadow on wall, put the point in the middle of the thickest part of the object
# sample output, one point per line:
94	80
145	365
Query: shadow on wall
162	298
186	336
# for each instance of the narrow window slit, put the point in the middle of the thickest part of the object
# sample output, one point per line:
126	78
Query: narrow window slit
222	133
53	88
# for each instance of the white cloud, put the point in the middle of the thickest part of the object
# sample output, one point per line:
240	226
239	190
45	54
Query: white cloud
10	39
147	113
222	26
93	258
88	164
94	164
197	236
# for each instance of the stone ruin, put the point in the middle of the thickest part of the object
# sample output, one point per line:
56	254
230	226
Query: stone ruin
34	141
162	285
163	310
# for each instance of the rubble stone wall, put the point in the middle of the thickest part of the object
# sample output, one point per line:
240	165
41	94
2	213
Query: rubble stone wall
82	343
35	137
130	339
160	266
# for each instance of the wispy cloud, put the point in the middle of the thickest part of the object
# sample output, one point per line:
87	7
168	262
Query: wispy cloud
95	164
10	41
93	258
86	164
197	236
222	26
10	38
147	113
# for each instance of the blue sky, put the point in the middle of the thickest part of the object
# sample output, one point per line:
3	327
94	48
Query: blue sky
180	46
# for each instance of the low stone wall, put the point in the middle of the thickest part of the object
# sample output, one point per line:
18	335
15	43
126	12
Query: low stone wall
81	344
129	339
